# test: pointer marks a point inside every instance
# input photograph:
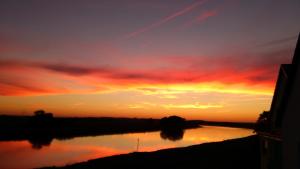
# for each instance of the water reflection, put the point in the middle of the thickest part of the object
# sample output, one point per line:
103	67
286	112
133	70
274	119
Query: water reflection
38	141
173	134
172	128
60	152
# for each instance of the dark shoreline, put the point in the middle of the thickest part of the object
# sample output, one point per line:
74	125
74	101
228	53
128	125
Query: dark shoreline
229	154
246	125
41	131
26	127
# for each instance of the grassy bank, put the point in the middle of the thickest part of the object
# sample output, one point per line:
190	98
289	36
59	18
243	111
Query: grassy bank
242	153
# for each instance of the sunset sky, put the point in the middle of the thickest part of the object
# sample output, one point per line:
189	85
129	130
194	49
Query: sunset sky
199	59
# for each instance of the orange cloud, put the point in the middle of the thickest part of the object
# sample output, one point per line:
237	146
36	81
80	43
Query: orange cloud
193	106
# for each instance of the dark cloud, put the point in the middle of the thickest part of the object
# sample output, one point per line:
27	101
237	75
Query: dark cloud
72	70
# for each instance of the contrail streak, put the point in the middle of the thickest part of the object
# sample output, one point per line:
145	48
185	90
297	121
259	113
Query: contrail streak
165	19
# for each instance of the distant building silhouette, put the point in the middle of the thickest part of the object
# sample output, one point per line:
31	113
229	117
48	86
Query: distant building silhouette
279	129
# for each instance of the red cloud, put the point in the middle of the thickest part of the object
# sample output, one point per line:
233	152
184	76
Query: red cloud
251	70
201	18
14	86
206	15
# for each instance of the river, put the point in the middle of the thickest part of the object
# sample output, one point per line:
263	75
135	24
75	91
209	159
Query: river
23	154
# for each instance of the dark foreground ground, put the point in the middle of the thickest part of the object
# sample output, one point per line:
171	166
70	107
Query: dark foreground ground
240	153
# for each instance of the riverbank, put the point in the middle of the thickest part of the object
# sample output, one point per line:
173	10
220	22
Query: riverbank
230	154
246	125
44	129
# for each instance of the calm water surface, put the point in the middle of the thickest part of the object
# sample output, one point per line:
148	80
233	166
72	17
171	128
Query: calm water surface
21	155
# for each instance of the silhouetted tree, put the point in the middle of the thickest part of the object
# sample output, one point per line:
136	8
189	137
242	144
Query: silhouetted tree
263	122
42	119
39	112
42	114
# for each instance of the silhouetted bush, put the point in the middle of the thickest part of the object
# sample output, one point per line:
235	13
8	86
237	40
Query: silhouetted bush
172	128
172	122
